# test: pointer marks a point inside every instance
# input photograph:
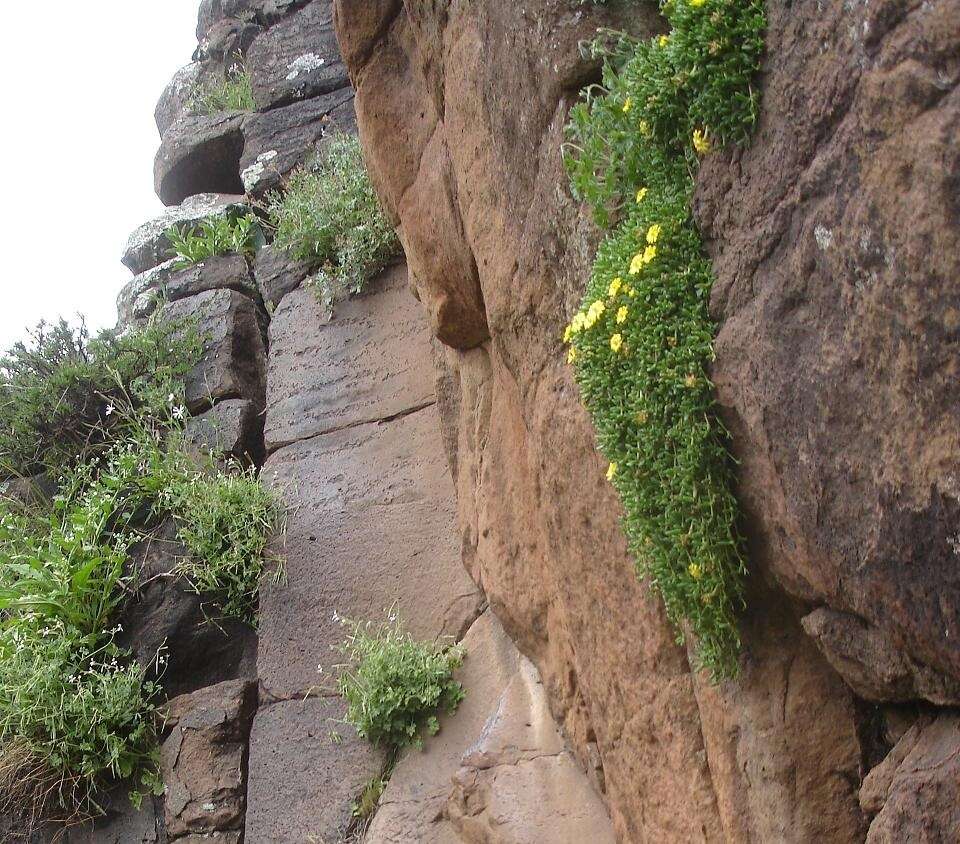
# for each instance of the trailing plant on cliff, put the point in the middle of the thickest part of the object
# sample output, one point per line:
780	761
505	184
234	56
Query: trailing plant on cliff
641	343
329	215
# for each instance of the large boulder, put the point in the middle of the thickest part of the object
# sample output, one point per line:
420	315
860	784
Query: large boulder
278	273
203	759
306	769
498	770
200	154
370	362
277	141
174	100
297	59
148	246
233	361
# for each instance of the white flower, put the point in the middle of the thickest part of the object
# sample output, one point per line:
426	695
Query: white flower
171	398
179	412
110	409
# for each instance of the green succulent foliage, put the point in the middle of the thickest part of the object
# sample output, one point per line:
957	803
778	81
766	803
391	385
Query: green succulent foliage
234	92
642	340
395	686
329	215
221	235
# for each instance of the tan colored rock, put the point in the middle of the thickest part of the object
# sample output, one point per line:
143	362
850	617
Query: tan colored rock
922	794
371	361
371	523
499	770
306	769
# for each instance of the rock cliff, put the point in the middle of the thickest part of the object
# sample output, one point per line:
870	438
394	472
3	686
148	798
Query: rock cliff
429	445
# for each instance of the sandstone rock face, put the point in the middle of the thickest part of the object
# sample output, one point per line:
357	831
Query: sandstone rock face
848	453
199	154
499	770
837	355
233	361
371	361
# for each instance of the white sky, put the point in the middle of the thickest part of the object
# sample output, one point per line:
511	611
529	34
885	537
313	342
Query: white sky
80	82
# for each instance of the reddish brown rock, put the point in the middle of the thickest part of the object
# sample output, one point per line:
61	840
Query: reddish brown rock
371	361
233	361
203	759
837	252
916	791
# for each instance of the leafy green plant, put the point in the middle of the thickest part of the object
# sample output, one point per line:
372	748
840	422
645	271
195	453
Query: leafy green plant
329	215
641	342
365	806
394	686
233	92
58	390
220	235
225	522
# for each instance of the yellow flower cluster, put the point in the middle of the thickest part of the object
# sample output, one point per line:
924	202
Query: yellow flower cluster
641	259
611	471
641	194
616	342
653	233
696	571
615	286
697	3
622	315
701	143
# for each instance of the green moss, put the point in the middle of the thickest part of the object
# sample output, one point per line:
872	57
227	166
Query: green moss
642	341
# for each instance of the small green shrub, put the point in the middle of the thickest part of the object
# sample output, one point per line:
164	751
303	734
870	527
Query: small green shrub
642	340
58	391
234	92
225	522
329	215
394	686
220	235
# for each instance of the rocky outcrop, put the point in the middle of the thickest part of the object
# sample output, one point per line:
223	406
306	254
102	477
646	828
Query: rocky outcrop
835	369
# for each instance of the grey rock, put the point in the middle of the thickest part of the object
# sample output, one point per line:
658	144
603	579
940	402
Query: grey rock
871	665
173	101
200	154
276	141
231	428
165	612
306	769
277	274
202	758
264	12
297	59
171	281
147	246
227	42
372	361
233	361
370	523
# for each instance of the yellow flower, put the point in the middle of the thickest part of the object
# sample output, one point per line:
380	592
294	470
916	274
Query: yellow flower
578	323
628	104
641	194
571	355
636	263
622	315
664	40
642	417
644	128
649	254
690	380
696	572
567	333
672	342
701	143
653	233
615	286
616	342
697	3
632	293
611	471
594	312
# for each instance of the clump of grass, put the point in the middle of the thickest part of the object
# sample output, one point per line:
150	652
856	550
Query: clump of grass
220	235
329	215
642	341
395	686
57	390
233	92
